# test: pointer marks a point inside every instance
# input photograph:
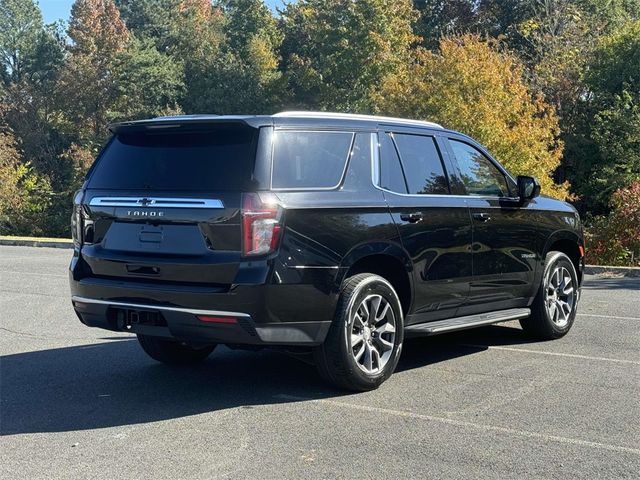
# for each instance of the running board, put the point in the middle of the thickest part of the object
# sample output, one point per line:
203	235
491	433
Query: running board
469	321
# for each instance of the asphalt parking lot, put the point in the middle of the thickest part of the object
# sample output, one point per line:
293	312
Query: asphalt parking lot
487	403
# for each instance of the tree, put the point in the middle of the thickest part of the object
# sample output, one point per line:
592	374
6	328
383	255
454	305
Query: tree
20	25
87	80
242	76
30	57
148	83
605	147
336	53
496	18
501	18
477	87
195	38
442	17
24	195
246	21
611	14
184	29
150	19
615	239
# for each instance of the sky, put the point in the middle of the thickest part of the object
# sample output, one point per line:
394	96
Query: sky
53	10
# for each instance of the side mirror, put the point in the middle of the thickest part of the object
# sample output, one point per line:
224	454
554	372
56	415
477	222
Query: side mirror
528	187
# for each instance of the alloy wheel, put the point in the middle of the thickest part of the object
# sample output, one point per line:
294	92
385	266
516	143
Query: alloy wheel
560	296
372	333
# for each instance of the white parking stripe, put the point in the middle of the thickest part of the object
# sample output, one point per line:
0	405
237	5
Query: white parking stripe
557	354
607	316
36	273
463	423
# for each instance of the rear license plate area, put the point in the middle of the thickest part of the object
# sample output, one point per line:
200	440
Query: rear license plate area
126	318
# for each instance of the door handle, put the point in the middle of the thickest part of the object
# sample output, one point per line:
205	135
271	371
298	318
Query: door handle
482	217
411	217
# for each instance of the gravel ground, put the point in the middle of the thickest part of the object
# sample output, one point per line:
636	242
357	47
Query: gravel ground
487	403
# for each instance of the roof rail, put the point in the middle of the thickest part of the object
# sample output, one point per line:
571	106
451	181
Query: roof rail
180	116
355	116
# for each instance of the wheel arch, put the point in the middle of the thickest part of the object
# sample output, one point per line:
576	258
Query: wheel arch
569	243
389	260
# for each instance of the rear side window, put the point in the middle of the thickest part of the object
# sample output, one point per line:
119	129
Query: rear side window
309	159
422	165
196	160
391	176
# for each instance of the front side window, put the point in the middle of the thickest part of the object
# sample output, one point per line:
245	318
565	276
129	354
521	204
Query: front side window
422	165
479	175
309	159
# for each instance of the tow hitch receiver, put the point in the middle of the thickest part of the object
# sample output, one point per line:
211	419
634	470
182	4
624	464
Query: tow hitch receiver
124	319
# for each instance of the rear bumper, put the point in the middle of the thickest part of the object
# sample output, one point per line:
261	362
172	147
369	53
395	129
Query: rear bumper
184	324
286	313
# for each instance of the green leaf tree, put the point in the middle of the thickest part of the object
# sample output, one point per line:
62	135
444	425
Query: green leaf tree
243	75
336	53
20	25
605	149
30	57
148	83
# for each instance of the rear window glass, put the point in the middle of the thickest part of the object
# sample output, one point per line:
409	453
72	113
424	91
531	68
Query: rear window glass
309	159
422	165
199	160
391	176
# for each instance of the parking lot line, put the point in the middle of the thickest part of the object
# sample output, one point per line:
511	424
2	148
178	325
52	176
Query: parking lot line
36	274
607	316
463	423
557	354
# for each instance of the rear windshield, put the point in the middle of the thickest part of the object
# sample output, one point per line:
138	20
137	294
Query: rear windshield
205	159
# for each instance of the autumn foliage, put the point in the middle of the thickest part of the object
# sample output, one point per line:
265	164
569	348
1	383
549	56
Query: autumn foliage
615	239
477	87
551	88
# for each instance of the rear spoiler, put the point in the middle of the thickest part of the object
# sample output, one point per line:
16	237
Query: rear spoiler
171	122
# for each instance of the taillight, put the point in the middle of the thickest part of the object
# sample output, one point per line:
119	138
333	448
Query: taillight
81	225
261	224
76	219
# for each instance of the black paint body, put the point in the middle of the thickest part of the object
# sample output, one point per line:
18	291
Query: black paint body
453	265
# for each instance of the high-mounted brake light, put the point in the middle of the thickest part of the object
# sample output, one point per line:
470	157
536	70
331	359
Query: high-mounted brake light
261	225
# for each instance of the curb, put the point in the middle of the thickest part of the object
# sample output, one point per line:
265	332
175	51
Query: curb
607	270
36	242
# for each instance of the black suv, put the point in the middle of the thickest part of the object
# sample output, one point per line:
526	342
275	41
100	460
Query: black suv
339	234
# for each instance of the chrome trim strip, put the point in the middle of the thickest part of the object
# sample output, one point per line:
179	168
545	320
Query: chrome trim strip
478	323
452	324
192	311
303	267
375	179
156	202
375	159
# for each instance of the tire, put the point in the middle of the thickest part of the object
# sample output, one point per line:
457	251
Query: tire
554	309
172	352
355	366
